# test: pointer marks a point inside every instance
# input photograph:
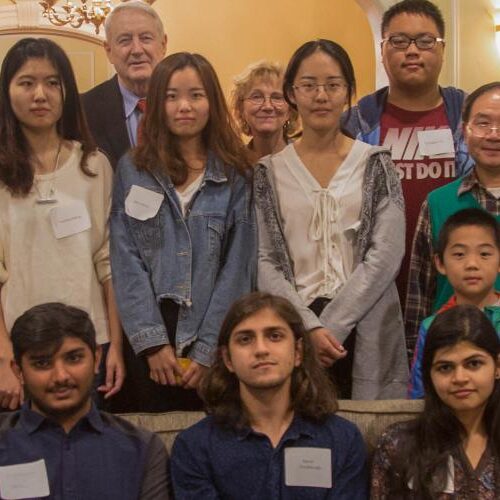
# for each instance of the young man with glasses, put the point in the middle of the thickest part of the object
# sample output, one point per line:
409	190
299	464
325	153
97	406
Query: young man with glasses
478	189
414	117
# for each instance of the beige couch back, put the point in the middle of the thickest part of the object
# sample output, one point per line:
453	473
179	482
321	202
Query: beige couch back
371	417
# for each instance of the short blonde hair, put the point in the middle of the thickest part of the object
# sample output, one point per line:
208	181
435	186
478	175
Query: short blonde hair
242	84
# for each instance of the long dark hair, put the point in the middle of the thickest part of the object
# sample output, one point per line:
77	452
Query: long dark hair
312	393
336	52
16	171
438	431
159	145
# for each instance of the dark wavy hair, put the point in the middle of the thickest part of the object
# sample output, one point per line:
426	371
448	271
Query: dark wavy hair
43	328
337	53
438	431
312	393
418	7
159	145
16	171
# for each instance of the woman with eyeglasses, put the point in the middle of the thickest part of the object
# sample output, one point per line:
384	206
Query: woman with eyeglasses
452	450
261	110
428	290
331	230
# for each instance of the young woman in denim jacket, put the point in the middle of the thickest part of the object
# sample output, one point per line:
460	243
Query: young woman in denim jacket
183	240
331	230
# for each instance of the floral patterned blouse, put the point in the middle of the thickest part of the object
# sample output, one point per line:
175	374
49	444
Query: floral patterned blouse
464	482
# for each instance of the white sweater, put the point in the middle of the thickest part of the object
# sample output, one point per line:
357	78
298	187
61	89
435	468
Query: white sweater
35	266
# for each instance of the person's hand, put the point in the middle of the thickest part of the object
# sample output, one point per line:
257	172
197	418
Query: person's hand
115	372
11	390
193	375
327	347
163	366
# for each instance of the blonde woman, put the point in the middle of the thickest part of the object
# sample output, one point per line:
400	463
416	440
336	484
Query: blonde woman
261	110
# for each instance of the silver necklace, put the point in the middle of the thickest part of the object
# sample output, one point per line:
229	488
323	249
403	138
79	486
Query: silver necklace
49	197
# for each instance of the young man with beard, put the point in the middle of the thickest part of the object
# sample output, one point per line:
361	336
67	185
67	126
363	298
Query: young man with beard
59	444
271	430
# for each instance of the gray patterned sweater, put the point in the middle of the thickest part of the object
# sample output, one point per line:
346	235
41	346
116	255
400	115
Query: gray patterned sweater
369	300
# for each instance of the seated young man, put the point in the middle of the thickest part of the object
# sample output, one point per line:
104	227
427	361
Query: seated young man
271	430
468	255
58	444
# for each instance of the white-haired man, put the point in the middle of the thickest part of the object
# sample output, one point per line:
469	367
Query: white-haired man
135	44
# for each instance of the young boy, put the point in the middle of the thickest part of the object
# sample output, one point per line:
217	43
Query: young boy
468	255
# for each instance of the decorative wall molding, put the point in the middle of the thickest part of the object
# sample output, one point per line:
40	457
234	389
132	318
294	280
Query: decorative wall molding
25	15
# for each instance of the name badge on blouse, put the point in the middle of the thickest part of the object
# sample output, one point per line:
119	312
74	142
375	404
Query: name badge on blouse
24	481
308	467
434	143
142	203
70	219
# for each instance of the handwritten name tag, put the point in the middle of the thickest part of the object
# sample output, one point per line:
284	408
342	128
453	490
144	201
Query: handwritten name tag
308	467
435	142
142	203
70	219
24	481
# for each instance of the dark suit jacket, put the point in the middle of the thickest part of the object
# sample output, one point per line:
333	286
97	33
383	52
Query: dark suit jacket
106	118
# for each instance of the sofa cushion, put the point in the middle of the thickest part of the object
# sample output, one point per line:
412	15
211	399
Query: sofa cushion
371	417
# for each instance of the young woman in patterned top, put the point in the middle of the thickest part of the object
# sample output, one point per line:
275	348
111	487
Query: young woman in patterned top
453	449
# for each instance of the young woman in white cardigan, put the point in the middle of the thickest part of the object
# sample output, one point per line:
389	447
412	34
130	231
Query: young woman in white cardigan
331	230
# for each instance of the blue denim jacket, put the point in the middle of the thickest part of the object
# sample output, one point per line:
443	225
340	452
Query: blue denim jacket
203	261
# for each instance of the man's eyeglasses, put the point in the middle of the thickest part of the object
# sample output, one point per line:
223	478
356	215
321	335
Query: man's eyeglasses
422	42
257	99
310	88
482	129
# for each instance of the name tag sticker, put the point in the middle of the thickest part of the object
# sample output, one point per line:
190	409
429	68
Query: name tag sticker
142	203
432	143
24	481
308	467
69	219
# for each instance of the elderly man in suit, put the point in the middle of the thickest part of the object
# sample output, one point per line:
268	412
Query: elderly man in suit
135	44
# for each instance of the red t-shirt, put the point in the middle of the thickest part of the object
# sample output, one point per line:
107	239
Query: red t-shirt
419	174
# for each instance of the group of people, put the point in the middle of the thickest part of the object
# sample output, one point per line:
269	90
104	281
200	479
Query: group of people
139	203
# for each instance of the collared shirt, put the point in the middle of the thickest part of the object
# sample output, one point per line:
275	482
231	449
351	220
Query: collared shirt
212	462
103	457
422	275
132	114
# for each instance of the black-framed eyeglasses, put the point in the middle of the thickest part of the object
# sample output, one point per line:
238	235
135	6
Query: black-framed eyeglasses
258	99
422	42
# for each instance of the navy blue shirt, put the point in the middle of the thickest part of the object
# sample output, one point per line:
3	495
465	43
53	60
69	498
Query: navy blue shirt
212	462
102	458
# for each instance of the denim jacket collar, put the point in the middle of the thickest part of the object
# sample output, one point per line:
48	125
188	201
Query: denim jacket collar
214	172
